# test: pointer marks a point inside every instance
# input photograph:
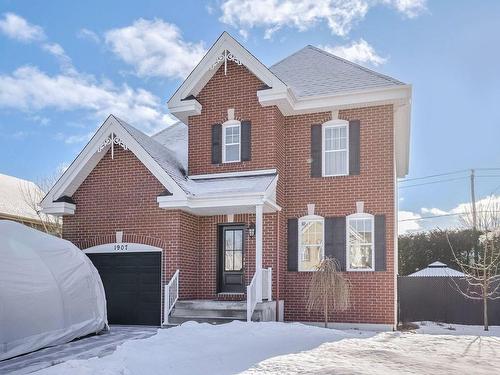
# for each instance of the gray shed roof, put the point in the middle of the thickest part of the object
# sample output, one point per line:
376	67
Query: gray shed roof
437	269
314	72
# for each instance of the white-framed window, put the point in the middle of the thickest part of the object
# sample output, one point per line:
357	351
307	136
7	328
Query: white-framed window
311	242
335	148
231	141
360	242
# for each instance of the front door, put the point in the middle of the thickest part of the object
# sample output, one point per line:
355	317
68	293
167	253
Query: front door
231	277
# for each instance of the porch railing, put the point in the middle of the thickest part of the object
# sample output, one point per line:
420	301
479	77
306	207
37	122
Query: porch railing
251	297
171	295
267	283
267	287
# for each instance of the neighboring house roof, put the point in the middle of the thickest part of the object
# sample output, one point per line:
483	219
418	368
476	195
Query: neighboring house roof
437	269
12	198
314	72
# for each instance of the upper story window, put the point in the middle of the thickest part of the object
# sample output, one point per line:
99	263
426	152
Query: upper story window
335	148
311	242
231	136
360	242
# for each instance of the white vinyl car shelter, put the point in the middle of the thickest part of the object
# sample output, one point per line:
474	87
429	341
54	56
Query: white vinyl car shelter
50	292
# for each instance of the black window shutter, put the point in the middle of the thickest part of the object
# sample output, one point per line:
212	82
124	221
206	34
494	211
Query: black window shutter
216	144
354	147
335	240
316	146
246	141
293	244
380	245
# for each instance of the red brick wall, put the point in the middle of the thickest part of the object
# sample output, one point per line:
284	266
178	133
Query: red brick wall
238	90
372	292
120	195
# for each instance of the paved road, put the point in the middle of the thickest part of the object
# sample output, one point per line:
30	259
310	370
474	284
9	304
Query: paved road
88	347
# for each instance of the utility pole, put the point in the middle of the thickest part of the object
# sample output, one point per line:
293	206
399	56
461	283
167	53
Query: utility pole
474	213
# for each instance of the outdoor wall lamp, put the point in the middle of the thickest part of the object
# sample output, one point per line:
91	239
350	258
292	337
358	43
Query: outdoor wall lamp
251	230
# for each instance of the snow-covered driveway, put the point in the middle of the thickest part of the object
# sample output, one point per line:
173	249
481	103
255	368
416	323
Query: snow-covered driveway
88	347
278	348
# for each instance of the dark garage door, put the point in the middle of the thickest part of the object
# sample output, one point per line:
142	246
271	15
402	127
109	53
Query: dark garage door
132	285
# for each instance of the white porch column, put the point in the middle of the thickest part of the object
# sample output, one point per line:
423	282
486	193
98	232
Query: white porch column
258	250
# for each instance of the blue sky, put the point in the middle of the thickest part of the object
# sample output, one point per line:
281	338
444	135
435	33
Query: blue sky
65	65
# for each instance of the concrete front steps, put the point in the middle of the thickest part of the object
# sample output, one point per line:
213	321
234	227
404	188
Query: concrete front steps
219	312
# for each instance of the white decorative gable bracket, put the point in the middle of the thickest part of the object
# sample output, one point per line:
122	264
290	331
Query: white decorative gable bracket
112	140
225	57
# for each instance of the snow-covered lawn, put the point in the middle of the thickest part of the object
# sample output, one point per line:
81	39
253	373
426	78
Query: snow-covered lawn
280	348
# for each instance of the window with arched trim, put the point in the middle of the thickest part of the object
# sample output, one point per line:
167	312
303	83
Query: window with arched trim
231	141
360	242
335	148
311	242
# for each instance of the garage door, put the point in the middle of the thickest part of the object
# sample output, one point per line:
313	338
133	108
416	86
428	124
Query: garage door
132	284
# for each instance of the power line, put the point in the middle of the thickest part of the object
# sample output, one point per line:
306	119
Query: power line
444	215
433	182
429	217
433	175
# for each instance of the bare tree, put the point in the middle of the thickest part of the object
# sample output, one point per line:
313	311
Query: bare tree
328	288
32	194
482	278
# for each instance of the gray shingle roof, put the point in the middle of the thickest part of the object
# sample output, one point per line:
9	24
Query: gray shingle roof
314	72
175	138
165	158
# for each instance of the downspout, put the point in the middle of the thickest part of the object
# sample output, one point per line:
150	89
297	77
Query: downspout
278	267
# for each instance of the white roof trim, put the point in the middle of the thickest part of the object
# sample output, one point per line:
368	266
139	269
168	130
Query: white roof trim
88	158
259	172
202	73
224	204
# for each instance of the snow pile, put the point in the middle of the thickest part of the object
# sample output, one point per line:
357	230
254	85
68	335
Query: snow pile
394	353
194	348
433	328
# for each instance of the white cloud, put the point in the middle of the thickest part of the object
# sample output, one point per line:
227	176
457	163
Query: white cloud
18	28
433	211
453	218
406	222
340	15
155	48
58	52
410	8
359	52
28	89
75	138
89	35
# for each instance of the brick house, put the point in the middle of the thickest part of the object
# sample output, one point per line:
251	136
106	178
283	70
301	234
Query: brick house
268	171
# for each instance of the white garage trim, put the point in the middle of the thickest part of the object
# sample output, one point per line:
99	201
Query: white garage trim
121	247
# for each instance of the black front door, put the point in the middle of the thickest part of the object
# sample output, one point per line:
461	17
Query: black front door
231	244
